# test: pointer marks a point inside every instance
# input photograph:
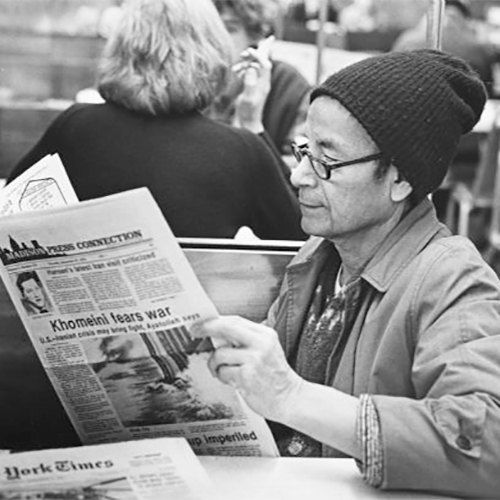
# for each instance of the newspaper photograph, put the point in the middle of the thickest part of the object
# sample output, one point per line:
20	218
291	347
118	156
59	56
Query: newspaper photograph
107	298
141	470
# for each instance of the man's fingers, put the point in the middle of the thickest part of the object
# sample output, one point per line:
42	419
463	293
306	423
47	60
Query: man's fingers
229	356
227	362
231	330
228	374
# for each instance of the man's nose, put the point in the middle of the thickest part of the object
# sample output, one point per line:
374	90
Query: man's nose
302	174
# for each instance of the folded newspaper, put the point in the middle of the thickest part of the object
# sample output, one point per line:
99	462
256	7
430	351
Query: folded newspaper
107	298
143	470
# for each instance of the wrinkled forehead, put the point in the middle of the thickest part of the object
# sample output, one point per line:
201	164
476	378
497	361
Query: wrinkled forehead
329	122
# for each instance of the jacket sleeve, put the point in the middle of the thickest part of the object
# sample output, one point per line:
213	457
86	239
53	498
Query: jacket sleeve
446	437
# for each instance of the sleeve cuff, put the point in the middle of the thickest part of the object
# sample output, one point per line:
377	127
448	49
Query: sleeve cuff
369	439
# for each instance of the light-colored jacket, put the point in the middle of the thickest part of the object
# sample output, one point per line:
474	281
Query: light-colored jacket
426	344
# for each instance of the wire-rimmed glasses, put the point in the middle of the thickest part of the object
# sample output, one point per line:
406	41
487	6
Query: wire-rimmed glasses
322	168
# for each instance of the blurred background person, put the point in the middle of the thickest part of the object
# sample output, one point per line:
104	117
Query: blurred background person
458	38
249	23
162	65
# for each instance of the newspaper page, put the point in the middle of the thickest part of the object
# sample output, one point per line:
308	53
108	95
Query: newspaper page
108	297
141	470
44	185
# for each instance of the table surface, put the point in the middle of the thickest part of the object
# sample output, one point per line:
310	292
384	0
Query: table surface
249	478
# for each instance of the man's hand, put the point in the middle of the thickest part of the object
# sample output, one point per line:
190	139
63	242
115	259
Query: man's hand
250	358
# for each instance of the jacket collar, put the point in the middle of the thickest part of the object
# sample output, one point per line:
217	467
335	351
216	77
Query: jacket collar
402	245
405	241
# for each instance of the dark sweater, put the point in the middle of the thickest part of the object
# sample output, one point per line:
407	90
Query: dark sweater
208	179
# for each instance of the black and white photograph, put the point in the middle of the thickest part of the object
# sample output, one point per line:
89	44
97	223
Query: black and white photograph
274	234
159	378
32	293
109	489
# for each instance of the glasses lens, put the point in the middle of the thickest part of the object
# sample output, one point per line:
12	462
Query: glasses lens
320	169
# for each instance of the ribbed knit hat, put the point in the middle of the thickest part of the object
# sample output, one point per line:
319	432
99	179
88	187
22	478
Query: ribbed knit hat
415	105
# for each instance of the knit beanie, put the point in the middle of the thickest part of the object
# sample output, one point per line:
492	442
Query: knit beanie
415	105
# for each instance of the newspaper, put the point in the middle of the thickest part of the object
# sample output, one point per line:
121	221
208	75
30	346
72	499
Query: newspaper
107	298
44	185
143	470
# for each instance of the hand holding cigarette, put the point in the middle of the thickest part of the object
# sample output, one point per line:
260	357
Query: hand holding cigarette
254	69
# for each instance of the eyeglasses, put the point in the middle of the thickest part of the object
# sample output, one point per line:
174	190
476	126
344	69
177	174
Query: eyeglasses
322	168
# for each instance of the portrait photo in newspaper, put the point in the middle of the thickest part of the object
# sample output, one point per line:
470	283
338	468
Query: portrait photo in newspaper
33	294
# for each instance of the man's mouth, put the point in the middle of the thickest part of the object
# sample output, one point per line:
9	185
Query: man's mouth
308	204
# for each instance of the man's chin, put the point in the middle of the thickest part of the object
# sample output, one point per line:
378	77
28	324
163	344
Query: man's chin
312	228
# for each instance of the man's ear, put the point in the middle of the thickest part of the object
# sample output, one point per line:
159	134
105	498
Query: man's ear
400	188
